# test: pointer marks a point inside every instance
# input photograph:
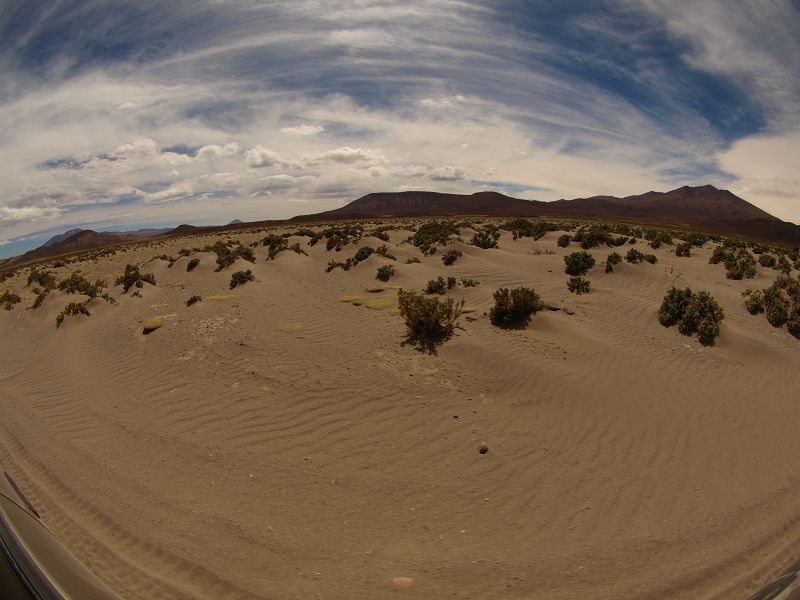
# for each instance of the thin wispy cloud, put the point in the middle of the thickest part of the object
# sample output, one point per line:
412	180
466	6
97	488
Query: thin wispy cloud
116	113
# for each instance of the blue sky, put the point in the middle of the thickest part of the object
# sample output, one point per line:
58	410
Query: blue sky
118	114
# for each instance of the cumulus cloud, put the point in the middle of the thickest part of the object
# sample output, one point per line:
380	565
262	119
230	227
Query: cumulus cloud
262	157
215	151
346	155
448	173
11	215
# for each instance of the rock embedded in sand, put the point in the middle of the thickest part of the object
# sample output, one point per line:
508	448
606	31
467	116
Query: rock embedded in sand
484	448
402	581
151	325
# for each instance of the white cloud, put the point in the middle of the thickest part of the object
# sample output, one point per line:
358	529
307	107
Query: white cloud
302	130
262	157
215	151
10	215
448	173
141	148
345	155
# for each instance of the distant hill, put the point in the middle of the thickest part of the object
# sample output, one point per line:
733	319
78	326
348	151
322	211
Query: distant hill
236	222
705	208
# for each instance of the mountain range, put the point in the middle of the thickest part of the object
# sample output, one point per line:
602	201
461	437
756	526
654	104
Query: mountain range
702	208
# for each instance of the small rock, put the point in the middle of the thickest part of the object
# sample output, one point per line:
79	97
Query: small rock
483	449
402	581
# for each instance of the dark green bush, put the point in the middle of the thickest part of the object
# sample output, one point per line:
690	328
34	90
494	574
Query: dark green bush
383	251
692	313
767	260
385	273
436	286
451	283
613	259
451	256
579	285
241	277
132	277
486	239
578	263
412	260
684	249
563	240
741	265
192	264
227	253
514	306
527	228
73	309
656	243
428	320
753	301
634	256
428	235
466	282
78	284
45	279
193	300
658	237
9	299
650	258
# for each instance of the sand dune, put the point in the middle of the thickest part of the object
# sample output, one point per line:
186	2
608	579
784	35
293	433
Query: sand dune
282	443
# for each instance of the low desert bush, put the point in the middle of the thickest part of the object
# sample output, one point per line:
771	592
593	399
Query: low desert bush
612	260
9	299
767	260
578	263
753	301
634	256
514	306
467	282
451	283
227	253
412	260
428	320
44	279
563	240
683	249
692	313
383	251
275	244
73	309
579	285
192	264
428	235
487	238
193	300
384	273
132	277
451	256
241	277
78	284
436	286
363	253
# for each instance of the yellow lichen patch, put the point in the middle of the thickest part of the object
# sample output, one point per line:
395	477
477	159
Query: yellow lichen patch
394	311
220	297
351	298
381	303
290	327
581	301
151	325
469	309
375	290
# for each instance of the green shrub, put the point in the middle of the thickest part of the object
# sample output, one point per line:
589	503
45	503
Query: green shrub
436	286
341	235
514	306
695	239
656	237
650	258
428	320
241	277
9	299
451	256
563	240
579	285
428	235
275	244
656	243
692	313
466	282
193	300
132	277
385	273
741	265
226	256
613	259
527	228
767	260
451	283
753	301
793	324
383	251
783	265
578	263
40	296
412	260
192	264
73	309
684	249
486	239
634	256
78	284
44	279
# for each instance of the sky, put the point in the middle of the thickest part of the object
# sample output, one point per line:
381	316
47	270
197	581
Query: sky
117	114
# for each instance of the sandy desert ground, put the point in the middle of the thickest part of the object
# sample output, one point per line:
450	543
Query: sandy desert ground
280	443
